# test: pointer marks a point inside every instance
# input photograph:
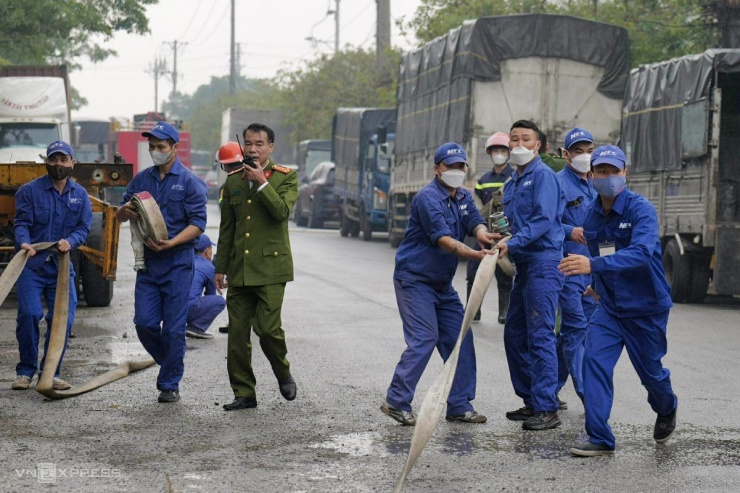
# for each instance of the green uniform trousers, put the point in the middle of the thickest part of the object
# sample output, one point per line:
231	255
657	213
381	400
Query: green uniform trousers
258	308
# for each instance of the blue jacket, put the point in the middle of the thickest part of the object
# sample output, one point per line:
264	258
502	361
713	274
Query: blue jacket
631	282
435	214
579	194
533	203
203	274
181	197
42	214
491	182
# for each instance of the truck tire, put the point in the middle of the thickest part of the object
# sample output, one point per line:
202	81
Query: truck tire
700	274
366	227
354	230
299	219
345	225
97	291
678	271
315	220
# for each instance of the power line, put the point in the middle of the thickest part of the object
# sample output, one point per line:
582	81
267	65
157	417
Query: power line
203	26
191	19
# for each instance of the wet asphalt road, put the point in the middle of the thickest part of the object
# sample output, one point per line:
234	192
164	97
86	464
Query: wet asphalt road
344	338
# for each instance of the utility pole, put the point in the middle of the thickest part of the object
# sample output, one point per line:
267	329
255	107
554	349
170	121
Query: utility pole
174	68
232	66
336	27
383	30
158	69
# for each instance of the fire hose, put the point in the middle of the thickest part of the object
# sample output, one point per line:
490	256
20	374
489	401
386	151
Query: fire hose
150	225
434	401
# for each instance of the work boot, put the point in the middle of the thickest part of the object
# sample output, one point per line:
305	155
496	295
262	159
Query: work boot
406	418
664	427
288	388
503	305
169	396
60	384
542	420
468	417
521	414
477	314
21	382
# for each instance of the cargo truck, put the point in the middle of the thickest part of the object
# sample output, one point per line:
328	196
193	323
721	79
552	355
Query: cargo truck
681	135
559	71
362	148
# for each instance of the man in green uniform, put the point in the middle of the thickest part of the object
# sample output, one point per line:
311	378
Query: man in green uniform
254	261
555	163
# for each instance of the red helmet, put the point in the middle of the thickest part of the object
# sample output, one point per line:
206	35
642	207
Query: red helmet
497	139
229	153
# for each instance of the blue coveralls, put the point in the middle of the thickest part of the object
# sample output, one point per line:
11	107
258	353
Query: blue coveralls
632	311
41	215
204	304
533	203
575	308
162	290
430	308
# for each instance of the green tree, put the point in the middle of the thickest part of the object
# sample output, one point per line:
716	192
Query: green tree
658	29
310	95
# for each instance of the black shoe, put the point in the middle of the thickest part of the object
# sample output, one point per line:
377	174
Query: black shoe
169	396
288	388
468	417
521	414
664	427
502	319
563	405
584	448
476	318
241	403
542	421
406	418
224	330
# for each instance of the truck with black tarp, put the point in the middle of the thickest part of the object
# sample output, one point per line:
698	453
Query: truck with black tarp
681	135
559	71
362	147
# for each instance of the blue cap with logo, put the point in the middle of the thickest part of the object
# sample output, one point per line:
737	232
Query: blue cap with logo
202	243
163	131
450	153
577	135
59	146
609	154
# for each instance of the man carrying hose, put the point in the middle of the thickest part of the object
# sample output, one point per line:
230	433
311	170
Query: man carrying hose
163	287
442	215
49	208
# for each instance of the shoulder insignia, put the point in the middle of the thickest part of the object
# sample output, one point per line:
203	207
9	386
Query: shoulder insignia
282	169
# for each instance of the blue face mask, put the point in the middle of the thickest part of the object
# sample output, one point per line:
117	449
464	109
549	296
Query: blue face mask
610	186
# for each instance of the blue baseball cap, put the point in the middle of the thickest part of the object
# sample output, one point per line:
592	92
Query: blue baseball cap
450	153
609	154
59	146
163	131
577	135
202	243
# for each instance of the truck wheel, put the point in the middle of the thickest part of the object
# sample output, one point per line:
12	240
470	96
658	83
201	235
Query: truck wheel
344	224
299	219
678	271
97	291
366	227
354	230
315	220
700	273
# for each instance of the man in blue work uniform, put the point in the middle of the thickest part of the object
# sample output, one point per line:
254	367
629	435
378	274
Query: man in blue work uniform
575	307
204	304
162	289
533	203
49	208
442	215
634	301
490	186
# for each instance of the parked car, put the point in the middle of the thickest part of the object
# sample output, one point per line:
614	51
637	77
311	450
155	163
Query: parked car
316	203
211	180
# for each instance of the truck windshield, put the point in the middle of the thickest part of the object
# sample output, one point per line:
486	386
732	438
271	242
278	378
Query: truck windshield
24	134
314	157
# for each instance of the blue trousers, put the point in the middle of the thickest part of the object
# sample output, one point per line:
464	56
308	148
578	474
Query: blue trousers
160	312
529	333
203	311
573	323
645	340
588	309
32	285
432	317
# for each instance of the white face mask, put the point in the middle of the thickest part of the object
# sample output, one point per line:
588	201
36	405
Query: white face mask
160	158
581	163
499	159
520	156
453	178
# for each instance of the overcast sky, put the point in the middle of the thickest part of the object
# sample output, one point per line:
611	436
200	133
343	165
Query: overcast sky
272	34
